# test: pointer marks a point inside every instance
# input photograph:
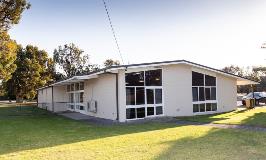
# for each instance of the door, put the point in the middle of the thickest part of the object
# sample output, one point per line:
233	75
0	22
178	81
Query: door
154	101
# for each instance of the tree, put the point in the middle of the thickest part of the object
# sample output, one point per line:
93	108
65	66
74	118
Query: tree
111	62
10	12
8	53
234	70
31	73
71	59
250	73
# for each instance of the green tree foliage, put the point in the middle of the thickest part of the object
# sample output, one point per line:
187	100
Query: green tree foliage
8	49
234	70
71	60
10	12
111	62
32	72
250	73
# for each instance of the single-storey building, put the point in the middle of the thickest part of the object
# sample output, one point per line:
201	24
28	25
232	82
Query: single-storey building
137	91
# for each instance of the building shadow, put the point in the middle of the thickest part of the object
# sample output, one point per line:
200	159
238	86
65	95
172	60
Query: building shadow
27	129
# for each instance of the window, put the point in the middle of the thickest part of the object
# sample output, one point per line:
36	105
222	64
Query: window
197	79
135	79
153	78
140	95
202	107
213	93
72	87
158	96
159	110
141	112
81	85
207	93
150	96
130	96
76	95
144	94
208	107
203	92
195	94
131	113
210	80
150	111
81	97
195	108
76	86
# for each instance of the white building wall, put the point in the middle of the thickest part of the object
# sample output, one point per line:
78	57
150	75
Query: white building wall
177	86
122	95
45	98
177	83
103	91
60	98
226	93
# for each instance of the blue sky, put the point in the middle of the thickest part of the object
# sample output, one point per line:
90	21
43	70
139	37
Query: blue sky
211	32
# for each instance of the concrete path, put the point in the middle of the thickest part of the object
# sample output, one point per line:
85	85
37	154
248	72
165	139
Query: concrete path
87	118
223	126
101	121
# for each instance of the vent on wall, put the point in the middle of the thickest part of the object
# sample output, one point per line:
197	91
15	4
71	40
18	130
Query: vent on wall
92	106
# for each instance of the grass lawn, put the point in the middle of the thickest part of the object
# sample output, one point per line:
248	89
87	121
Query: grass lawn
35	134
253	117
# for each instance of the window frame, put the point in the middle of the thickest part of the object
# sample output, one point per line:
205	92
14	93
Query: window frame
145	105
76	97
198	96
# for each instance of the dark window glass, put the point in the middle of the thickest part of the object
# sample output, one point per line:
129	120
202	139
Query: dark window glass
150	111
213	93
201	94
71	97
72	106
210	80
135	79
159	110
68	88
207	93
208	106
195	108
150	96
81	86
153	77
72	87
81	107
195	94
202	107
81	97
158	96
214	106
197	79
76	86
130	95
141	112
131	113
140	95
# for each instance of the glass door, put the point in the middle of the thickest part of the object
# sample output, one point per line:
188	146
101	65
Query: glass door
154	101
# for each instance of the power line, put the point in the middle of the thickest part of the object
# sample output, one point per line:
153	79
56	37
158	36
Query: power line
113	31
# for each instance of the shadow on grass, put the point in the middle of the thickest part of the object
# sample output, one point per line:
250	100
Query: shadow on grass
35	128
217	144
250	117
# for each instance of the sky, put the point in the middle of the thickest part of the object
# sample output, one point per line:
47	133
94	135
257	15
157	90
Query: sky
215	33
